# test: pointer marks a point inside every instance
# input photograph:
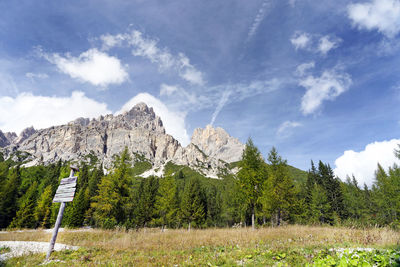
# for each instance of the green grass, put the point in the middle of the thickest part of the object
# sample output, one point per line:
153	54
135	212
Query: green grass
283	246
4	250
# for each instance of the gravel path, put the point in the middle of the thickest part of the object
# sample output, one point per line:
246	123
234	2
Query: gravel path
19	248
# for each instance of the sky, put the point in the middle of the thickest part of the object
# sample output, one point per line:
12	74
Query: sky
319	80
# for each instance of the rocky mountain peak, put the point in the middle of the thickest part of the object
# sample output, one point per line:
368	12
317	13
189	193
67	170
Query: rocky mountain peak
25	134
11	136
3	140
216	142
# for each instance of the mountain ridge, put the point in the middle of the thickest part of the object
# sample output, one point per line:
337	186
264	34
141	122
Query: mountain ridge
139	129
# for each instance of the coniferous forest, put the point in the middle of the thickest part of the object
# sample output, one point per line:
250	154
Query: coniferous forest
263	192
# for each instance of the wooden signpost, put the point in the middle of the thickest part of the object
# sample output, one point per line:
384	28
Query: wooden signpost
65	193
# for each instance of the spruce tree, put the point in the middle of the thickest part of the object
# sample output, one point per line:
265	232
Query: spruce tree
25	217
166	201
9	195
192	206
319	206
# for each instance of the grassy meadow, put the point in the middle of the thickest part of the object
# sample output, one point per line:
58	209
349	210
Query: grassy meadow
282	246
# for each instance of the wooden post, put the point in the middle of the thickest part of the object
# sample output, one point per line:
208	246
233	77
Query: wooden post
61	189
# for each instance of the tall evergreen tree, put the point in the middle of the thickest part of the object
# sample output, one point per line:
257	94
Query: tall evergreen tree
110	203
25	217
319	206
251	178
192	206
279	191
166	205
9	195
43	208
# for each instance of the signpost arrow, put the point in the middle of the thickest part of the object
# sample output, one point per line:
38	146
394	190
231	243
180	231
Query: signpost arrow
65	193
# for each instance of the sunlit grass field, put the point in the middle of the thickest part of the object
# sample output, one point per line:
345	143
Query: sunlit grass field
282	246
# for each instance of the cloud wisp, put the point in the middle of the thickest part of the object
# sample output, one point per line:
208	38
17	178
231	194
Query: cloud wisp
221	104
148	48
285	129
93	66
363	164
328	86
314	42
380	15
262	12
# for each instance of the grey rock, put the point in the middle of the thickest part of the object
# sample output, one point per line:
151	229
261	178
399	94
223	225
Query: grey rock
25	134
3	140
140	130
217	143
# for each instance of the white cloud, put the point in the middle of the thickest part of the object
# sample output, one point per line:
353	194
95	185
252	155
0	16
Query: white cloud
148	48
36	75
363	164
328	86
168	89
221	104
292	3
258	19
327	43
302	69
27	110
315	42
174	122
301	40
93	66
285	128
381	15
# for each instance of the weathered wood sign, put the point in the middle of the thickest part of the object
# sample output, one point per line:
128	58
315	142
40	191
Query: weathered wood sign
65	193
66	190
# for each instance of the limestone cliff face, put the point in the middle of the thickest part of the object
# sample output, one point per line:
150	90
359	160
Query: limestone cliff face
217	143
3	140
140	130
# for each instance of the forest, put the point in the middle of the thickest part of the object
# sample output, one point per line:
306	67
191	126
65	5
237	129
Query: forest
262	193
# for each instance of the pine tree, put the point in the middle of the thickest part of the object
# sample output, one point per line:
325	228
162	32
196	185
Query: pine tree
251	177
192	206
79	207
279	191
166	201
25	215
8	199
113	193
319	206
145	200
43	208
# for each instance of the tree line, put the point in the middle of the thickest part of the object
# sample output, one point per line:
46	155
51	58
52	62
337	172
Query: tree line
261	193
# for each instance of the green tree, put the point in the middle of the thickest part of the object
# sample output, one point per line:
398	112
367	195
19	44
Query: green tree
251	177
43	208
192	205
79	207
279	191
145	200
9	195
113	193
25	215
319	206
166	205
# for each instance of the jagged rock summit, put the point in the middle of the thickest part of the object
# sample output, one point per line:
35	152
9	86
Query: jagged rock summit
216	142
140	130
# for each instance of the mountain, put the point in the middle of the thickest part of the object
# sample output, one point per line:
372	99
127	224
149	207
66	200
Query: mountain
140	130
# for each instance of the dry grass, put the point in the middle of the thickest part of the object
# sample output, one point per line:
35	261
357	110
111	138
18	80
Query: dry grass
155	247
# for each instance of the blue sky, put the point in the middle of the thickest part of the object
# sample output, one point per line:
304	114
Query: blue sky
317	79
